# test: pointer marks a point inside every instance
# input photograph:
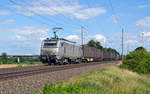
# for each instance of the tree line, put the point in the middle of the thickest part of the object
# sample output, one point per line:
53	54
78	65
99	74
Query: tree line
97	44
4	59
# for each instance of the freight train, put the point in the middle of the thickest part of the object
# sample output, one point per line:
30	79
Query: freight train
57	51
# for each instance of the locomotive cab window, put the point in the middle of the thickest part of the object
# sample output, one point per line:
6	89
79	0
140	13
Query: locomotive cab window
50	43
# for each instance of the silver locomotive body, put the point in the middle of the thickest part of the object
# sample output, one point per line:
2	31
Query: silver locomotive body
60	51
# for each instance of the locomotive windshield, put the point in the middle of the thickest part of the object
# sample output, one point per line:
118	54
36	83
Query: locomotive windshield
50	43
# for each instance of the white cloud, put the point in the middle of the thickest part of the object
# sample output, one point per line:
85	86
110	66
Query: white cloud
73	37
20	38
144	6
4	13
27	38
147	34
25	13
114	19
31	31
53	10
88	13
144	23
131	41
98	37
9	21
53	7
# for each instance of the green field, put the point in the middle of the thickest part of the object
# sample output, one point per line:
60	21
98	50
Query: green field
108	80
20	64
31	63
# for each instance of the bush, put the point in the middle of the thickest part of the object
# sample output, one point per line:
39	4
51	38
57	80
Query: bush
138	61
60	89
20	65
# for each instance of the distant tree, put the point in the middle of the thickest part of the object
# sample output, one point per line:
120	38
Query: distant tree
4	58
140	48
95	44
12	60
112	50
98	45
91	43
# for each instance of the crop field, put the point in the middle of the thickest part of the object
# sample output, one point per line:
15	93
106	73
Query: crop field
19	64
108	80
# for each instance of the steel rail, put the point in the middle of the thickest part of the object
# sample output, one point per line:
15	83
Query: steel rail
12	75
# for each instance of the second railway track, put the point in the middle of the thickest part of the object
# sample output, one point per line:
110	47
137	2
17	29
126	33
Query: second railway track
7	74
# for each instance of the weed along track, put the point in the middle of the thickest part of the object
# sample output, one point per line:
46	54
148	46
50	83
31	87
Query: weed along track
7	74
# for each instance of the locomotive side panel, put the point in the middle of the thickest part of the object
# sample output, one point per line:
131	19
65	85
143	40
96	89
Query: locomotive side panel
70	51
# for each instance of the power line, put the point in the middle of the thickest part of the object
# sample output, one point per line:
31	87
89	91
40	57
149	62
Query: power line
29	17
43	17
73	25
64	15
43	4
53	10
96	22
114	13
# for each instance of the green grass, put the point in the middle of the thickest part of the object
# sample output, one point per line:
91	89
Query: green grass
33	63
19	65
109	80
30	63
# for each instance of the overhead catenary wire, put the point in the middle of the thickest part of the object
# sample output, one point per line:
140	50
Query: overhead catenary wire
83	27
96	22
43	17
114	13
35	13
43	4
52	9
72	25
29	17
116	18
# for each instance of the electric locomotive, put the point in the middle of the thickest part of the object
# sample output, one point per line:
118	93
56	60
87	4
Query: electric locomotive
60	51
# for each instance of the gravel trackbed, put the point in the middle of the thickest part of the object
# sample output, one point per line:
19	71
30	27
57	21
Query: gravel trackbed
25	85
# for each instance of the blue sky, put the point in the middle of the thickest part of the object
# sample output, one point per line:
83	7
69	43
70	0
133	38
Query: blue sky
24	23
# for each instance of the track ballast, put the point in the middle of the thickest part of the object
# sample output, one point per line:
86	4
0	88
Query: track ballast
12	73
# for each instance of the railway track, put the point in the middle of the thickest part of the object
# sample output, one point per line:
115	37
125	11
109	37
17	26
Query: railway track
12	73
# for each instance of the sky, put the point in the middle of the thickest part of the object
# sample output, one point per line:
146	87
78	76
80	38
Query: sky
25	23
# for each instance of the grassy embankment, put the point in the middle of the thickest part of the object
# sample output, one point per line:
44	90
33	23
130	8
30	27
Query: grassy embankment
109	80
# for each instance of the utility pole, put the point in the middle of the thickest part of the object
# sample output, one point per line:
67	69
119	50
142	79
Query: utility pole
82	42
122	42
105	43
128	48
142	39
